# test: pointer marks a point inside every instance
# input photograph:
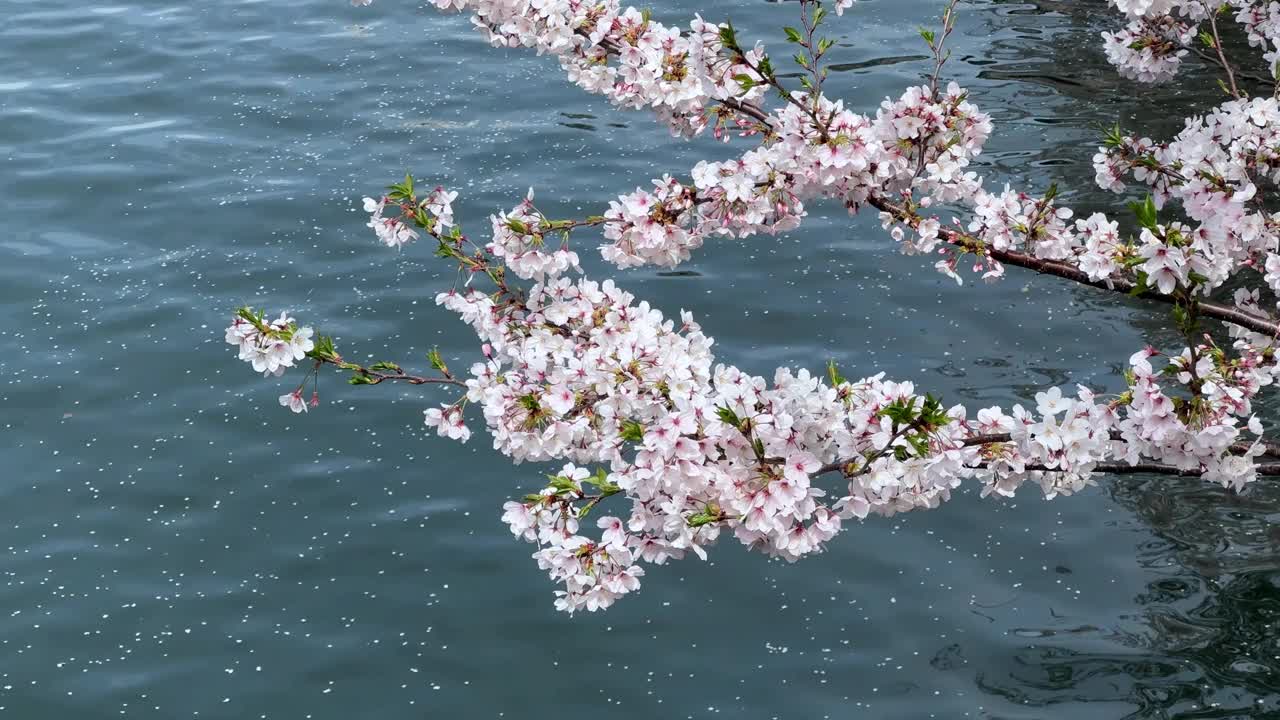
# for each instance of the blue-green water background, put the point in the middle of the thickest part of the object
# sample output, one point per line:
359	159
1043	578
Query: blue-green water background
175	545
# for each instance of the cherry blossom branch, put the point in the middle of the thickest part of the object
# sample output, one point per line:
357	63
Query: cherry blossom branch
764	69
752	111
384	372
1070	272
1263	469
937	45
853	467
1224	313
1268	449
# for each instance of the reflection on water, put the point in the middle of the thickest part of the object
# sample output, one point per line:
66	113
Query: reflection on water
1203	640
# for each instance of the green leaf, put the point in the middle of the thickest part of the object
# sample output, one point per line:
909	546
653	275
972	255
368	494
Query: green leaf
632	431
728	416
919	443
793	35
437	362
710	514
728	37
1145	212
562	484
1141	285
902	412
833	374
324	349
601	481
529	402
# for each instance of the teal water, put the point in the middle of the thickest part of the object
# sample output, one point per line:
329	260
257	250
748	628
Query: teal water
175	545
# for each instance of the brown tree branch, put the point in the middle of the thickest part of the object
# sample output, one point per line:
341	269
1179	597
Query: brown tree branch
1235	316
1222	58
1269	449
1266	469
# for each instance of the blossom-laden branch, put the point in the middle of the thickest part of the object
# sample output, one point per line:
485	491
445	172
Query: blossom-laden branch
1252	319
578	371
1266	449
914	155
581	372
273	346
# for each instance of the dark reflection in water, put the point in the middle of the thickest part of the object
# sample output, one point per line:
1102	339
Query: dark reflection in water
1205	643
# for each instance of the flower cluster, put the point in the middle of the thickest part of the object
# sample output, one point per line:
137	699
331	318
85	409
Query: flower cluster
270	347
1151	47
1212	169
595	572
623	54
651	227
435	211
519	239
817	148
448	422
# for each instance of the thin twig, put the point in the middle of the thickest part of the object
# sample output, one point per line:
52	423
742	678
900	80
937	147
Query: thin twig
1222	59
1269	449
1265	469
377	376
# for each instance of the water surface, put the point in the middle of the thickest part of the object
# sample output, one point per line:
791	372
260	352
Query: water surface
178	546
